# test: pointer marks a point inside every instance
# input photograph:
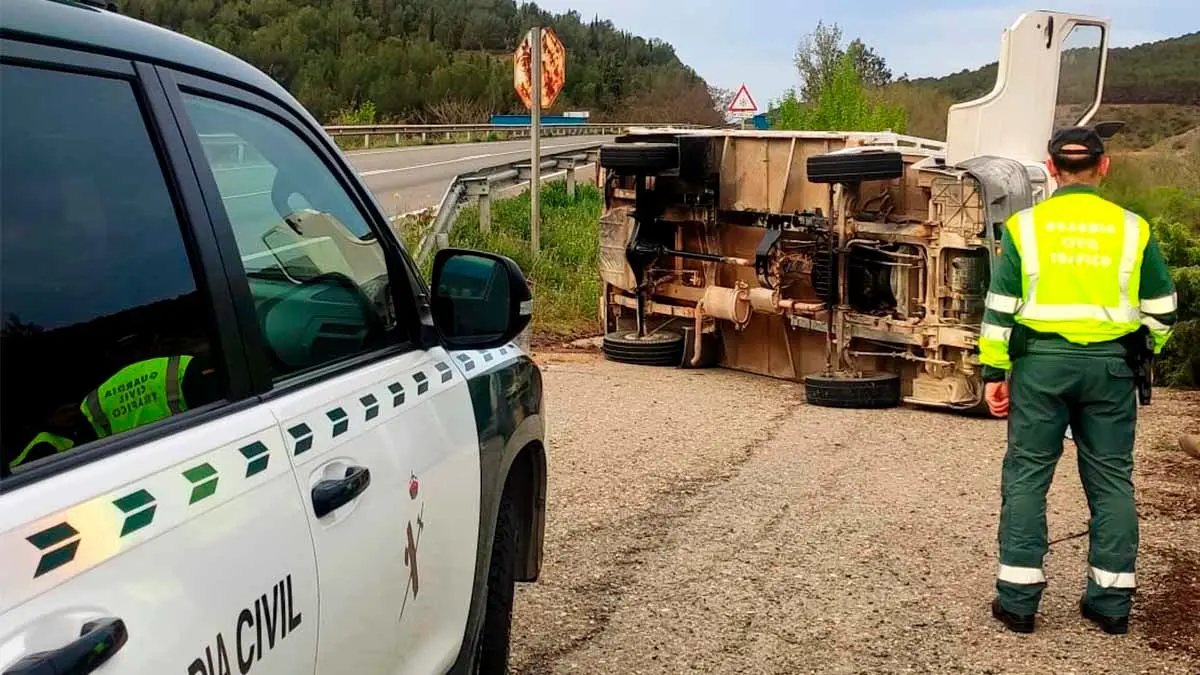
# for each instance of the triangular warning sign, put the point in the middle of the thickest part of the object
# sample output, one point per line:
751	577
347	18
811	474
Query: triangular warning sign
742	102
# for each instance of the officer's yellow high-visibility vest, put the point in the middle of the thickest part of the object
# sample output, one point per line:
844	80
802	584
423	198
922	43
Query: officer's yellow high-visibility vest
138	394
59	444
1080	262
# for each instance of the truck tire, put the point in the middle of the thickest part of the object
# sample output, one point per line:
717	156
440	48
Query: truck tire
872	390
855	167
646	159
495	636
662	348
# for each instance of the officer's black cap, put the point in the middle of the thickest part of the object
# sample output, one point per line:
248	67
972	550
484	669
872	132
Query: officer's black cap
1076	143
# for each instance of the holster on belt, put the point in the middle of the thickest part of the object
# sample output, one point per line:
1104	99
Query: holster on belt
1138	346
1139	355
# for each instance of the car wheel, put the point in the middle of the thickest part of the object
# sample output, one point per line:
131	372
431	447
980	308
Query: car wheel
872	390
646	159
494	641
660	348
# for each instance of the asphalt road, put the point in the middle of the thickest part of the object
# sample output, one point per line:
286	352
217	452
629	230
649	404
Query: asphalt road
407	179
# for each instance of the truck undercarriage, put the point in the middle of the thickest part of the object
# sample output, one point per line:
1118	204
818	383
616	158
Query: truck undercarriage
861	253
855	262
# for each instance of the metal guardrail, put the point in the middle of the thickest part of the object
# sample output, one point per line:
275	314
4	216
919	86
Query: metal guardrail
483	185
470	132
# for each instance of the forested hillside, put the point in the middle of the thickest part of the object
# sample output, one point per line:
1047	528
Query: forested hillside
435	61
1167	71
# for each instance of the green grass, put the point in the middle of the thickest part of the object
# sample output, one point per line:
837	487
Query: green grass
565	277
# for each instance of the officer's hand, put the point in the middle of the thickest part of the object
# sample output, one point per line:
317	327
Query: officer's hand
996	395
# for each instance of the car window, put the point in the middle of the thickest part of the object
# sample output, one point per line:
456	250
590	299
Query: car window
316	272
104	329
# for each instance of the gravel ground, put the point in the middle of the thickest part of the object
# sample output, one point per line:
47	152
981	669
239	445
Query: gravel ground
710	521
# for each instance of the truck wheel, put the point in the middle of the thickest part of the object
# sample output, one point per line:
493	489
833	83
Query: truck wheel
872	390
497	618
662	348
855	167
646	159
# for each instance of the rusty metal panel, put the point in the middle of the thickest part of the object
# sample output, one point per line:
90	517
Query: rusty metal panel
616	227
770	175
760	348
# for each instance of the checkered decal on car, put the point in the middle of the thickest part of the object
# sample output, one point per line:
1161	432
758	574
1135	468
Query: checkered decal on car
69	542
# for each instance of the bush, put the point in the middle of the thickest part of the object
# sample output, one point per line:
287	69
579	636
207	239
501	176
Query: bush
1165	189
845	104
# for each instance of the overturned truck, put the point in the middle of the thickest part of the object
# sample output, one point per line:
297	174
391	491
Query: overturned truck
856	263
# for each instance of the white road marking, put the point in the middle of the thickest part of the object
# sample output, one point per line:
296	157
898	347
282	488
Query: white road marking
377	172
413	148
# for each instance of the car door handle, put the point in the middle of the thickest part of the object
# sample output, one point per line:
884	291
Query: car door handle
98	641
335	493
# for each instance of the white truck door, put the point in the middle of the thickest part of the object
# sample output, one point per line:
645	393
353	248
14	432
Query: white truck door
164	533
1050	74
380	432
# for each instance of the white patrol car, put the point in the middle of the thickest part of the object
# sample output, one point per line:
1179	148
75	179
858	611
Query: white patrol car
239	433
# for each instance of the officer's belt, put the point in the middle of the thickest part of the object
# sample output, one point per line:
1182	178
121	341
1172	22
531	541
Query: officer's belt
1025	340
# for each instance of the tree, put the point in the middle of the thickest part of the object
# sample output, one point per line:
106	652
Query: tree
845	104
721	99
424	60
871	67
820	52
816	57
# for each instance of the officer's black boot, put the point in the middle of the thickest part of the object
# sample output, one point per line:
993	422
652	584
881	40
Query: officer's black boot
1113	625
1017	623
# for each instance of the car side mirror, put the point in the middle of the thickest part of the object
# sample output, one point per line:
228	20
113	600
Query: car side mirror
480	300
1106	130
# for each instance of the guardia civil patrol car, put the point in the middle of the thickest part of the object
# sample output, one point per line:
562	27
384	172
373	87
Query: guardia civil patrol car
240	433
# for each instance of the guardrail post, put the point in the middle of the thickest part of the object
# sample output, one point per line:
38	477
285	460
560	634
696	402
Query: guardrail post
568	165
479	188
397	138
366	141
423	138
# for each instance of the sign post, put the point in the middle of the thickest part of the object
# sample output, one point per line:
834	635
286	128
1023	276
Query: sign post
535	133
539	71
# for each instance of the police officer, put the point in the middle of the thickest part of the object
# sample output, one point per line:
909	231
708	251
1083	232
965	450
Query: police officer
1077	276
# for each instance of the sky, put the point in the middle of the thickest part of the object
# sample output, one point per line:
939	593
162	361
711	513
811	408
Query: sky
730	42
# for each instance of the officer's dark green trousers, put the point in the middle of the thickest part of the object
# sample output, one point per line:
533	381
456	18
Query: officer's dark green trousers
1092	389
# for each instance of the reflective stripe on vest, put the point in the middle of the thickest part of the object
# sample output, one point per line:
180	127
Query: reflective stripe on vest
1079	261
59	444
138	394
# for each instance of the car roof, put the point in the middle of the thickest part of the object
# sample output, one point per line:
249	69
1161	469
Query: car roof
76	24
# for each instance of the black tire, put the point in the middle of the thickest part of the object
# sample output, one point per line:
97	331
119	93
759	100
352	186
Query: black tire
872	390
855	167
661	348
646	159
495	637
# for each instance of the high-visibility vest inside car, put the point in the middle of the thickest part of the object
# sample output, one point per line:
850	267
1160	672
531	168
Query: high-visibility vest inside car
138	394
